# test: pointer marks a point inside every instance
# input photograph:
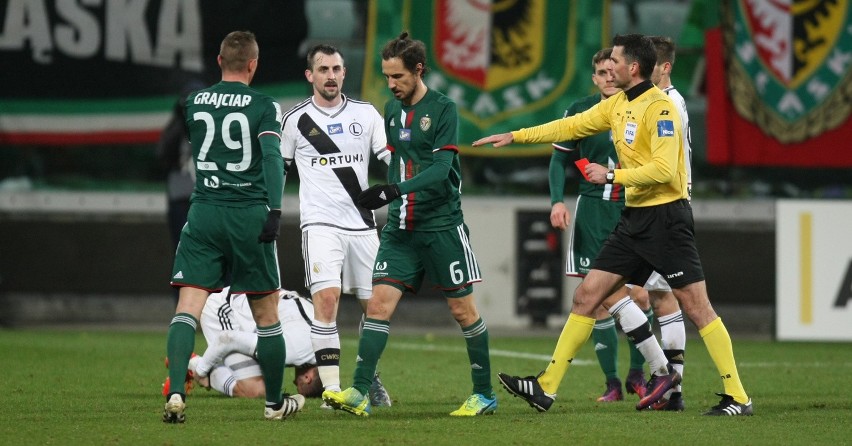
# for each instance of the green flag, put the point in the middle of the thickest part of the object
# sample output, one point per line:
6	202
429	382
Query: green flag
506	64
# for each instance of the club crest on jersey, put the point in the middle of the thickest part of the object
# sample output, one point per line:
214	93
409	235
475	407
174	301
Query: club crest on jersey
665	128
335	129
356	129
425	123
788	62
630	132
405	134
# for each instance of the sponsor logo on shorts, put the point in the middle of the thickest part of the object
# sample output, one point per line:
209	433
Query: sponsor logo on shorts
672	276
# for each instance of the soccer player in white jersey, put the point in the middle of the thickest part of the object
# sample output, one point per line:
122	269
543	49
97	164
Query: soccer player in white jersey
664	303
331	137
228	365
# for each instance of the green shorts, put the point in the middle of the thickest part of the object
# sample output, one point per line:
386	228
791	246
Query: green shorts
594	220
217	241
445	257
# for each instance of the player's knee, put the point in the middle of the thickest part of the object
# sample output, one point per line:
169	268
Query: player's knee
641	297
584	302
463	310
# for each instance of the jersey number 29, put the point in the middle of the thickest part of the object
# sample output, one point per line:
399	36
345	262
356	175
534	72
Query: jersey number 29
244	143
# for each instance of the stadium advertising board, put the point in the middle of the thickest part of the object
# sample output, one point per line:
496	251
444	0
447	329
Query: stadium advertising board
814	270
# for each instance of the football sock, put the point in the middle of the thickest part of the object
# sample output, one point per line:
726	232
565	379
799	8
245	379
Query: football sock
575	333
673	338
605	338
635	325
718	343
476	338
374	338
180	343
222	380
637	361
271	352
326	343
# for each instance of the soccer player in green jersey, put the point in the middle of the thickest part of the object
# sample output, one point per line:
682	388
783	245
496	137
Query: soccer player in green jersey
425	234
655	232
234	220
596	213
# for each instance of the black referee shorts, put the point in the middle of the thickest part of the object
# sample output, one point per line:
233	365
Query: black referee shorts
654	238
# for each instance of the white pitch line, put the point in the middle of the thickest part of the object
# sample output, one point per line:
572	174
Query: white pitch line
585	362
494	352
794	364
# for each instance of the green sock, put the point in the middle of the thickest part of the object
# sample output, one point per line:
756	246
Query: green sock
374	338
271	352
606	346
476	337
637	361
179	345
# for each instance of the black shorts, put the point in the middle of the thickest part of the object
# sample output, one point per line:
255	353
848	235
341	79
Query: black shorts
655	238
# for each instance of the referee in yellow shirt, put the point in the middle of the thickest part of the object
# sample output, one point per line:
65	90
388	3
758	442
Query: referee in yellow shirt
655	232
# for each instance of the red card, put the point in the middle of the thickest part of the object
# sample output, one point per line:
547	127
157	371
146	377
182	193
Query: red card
581	164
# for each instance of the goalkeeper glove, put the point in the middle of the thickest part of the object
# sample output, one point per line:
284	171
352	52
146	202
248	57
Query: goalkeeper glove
378	196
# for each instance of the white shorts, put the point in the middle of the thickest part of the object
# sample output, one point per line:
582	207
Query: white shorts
242	366
339	259
294	312
221	314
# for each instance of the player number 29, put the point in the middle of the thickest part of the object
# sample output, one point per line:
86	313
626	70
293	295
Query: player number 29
244	143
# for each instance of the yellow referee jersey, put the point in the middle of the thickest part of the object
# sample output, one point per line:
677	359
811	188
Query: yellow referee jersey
647	135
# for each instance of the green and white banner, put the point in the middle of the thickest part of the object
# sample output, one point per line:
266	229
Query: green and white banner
82	72
506	64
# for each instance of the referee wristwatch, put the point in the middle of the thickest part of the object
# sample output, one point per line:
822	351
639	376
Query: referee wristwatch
610	176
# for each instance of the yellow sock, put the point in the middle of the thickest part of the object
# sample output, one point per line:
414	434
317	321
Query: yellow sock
575	333
718	343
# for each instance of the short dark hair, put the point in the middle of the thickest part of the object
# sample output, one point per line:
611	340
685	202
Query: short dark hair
315	388
640	49
410	51
237	49
665	48
601	56
328	50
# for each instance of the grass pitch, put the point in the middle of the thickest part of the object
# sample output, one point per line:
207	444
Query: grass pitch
103	387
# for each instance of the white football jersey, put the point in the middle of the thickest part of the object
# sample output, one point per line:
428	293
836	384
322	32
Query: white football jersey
295	313
332	153
684	122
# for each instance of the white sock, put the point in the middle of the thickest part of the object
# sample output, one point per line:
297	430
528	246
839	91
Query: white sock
673	337
222	380
326	343
634	323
